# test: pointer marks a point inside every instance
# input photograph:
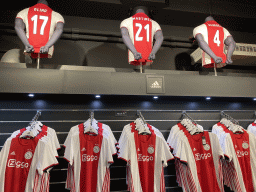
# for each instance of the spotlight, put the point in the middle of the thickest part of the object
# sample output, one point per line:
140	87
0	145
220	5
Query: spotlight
254	99
97	96
208	98
155	97
31	95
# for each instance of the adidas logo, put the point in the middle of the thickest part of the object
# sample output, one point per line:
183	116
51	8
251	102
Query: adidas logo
138	149
13	153
83	149
194	149
156	85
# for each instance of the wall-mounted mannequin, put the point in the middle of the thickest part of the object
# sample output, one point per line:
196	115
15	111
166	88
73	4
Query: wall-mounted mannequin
137	33
43	28
212	38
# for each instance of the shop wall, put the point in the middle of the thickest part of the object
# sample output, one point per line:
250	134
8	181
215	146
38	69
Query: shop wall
61	112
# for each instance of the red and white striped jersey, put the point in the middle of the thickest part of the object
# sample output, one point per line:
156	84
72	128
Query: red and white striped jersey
241	167
198	166
21	160
89	157
214	35
141	31
40	21
146	156
49	136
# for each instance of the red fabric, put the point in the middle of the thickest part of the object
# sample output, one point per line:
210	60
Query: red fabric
18	163
215	30
142	30
89	159
146	160
39	22
243	155
204	160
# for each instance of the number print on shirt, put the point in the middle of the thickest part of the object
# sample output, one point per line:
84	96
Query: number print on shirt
216	38
35	19
137	36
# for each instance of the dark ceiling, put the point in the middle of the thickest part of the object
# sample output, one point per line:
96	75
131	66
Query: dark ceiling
120	11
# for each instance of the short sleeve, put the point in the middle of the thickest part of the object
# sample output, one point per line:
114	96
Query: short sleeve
69	152
226	33
58	17
202	29
124	149
55	139
46	158
125	23
23	14
156	26
166	154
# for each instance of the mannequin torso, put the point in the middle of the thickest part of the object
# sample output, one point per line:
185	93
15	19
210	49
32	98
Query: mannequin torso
128	41
44	28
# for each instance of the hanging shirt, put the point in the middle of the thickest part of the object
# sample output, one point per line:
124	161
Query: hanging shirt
40	21
214	35
141	31
90	156
146	156
240	148
198	166
20	160
49	136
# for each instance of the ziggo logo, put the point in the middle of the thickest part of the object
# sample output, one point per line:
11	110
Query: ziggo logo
241	153
199	156
145	158
18	164
86	157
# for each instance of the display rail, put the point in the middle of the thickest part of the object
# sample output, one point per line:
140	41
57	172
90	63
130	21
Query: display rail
202	116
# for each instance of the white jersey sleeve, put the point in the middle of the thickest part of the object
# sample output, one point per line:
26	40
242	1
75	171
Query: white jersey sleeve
201	29
57	17
124	149
156	27
46	158
166	154
126	23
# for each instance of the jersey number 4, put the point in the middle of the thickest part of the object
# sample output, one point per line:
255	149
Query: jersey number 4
137	36
216	38
35	20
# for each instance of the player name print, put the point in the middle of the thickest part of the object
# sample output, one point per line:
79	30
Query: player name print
214	25
142	19
40	10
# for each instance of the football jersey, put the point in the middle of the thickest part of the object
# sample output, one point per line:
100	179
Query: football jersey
90	156
240	148
214	35
141	31
198	166
146	156
40	21
49	136
20	160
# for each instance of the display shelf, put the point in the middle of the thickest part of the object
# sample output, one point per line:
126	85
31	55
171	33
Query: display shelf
100	80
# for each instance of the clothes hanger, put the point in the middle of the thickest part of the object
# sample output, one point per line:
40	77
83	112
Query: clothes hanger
231	123
30	129
90	128
141	125
190	124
